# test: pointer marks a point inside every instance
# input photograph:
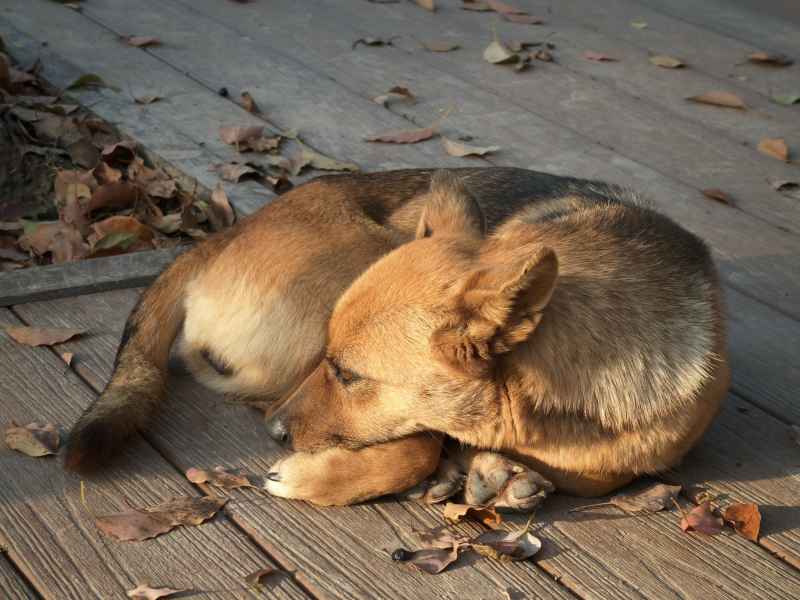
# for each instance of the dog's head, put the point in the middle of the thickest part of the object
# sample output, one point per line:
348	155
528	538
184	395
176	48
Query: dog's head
416	342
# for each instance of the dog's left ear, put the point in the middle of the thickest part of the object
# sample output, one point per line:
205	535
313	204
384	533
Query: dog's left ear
499	306
450	209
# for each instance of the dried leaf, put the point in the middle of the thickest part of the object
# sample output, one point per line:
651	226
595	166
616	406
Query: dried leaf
84	153
459	149
254	578
145	592
499	53
38	336
91	81
790	189
639	24
440	537
718	195
432	560
146	523
507	545
667	62
702	520
649	500
249	104
484	514
113	196
440	46
427	4
774	147
397	93
140	41
505	9
774	60
219	477
524	19
598	56
221	214
237	135
543	55
234	171
33	439
147	99
371	41
119	234
746	519
67	357
718	98
316	160
411	136
476	5
121	152
786	99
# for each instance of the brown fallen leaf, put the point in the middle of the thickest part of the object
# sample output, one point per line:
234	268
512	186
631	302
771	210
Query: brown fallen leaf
702	520
147	99
745	518
118	234
505	9
719	98
476	5
649	500
237	135
767	58
221	213
459	149
440	46
440	537
121	152
426	4
105	173
235	172
371	41
774	147
84	153
219	477
114	196
254	578
507	545
146	523
718	195
145	592
410	136
140	41
316	160
498	53
249	104
667	62
33	439
397	93
42	336
524	19
598	56
67	357
483	514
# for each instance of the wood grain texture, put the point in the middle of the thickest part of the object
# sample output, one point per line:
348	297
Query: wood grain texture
12	586
49	533
757	258
83	277
582	551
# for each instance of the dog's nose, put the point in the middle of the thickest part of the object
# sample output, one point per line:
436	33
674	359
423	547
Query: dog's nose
277	430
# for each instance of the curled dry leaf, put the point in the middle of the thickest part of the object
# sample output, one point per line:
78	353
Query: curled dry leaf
667	62
598	56
507	545
790	189
239	134
114	196
121	152
410	136
105	173
219	477
371	41
317	160
141	41
746	519
255	578
767	58
649	500
147	99
249	104
145	592
718	195
459	149
440	46
774	147
428	560
498	53
234	171
42	336
440	537
395	94
702	520
524	19
119	234
483	514
719	98
146	523
33	439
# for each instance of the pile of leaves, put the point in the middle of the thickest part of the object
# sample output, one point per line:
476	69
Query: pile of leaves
71	188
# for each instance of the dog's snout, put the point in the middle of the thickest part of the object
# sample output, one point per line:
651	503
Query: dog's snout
278	431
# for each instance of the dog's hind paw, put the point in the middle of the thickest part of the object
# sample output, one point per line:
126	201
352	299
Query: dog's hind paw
494	480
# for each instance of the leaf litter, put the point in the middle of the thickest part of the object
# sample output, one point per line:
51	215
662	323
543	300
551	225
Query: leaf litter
654	498
395	94
774	147
33	439
224	478
144	523
719	98
145	592
460	149
745	518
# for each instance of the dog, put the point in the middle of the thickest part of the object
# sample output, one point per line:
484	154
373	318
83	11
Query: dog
584	338
252	306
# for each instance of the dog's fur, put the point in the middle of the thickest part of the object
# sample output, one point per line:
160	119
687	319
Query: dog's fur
642	340
585	337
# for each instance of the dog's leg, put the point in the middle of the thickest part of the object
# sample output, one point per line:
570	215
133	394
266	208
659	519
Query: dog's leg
338	476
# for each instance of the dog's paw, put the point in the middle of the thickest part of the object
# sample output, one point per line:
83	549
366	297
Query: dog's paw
446	482
494	480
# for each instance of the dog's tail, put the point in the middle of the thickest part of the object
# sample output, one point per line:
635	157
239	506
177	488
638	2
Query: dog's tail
136	387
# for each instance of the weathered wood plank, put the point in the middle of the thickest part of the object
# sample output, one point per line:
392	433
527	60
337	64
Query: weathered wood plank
756	258
12	586
660	560
631	106
83	277
49	533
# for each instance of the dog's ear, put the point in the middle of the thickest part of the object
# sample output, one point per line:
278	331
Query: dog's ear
499	306
450	209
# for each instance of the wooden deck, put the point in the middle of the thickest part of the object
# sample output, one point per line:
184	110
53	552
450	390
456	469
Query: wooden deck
626	122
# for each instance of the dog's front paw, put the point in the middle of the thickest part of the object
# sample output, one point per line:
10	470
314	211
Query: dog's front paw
300	476
446	482
494	480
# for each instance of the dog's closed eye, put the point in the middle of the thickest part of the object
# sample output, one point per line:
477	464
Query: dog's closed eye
343	375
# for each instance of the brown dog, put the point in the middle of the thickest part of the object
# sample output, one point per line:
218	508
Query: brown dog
584	337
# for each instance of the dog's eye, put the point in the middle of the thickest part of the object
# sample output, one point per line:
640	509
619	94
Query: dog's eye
343	376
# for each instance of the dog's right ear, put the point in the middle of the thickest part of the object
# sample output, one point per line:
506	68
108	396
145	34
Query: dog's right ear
450	209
